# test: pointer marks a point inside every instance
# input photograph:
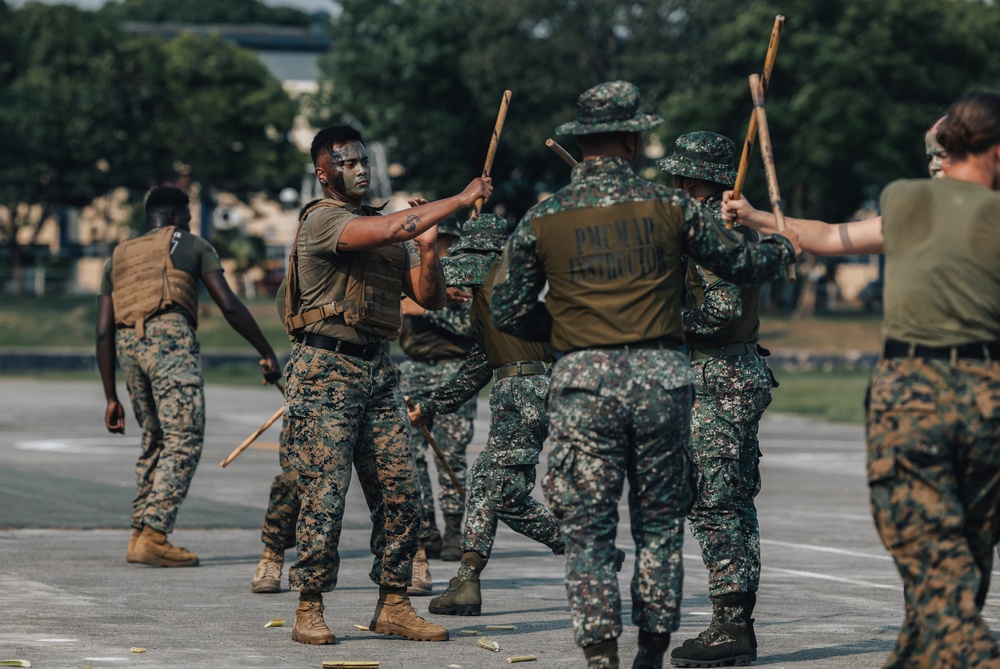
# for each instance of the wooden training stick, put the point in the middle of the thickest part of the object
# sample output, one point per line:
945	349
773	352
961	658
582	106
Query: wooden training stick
757	92
501	117
249	440
765	79
561	152
437	451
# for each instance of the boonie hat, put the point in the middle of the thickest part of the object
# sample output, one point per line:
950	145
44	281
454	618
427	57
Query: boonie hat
702	155
484	234
450	227
609	107
467	269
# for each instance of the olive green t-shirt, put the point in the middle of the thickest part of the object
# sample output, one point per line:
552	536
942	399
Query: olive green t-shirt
323	272
188	252
942	262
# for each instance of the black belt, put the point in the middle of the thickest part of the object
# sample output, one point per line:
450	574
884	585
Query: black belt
657	344
520	369
981	351
729	350
367	352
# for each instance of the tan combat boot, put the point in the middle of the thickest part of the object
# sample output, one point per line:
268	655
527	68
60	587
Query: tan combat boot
395	615
152	548
309	624
268	575
421	584
130	555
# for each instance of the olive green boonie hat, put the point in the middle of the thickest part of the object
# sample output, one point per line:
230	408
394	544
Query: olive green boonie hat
609	107
487	233
702	155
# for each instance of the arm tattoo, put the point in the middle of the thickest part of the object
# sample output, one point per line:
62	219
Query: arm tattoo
411	222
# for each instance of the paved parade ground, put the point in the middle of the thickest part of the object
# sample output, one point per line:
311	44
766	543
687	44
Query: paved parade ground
830	596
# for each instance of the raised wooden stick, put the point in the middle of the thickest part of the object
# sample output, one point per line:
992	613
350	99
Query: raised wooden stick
561	152
249	440
766	152
765	79
437	451
501	117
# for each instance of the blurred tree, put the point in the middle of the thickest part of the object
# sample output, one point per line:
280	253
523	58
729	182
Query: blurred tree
855	86
199	11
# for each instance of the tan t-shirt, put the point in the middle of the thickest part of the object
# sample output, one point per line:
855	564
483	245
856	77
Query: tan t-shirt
942	262
323	272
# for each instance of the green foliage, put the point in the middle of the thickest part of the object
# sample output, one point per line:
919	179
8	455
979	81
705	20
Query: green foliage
247	250
855	85
231	117
199	11
87	108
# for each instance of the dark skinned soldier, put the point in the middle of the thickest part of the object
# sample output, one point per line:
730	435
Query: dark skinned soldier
347	270
147	313
610	246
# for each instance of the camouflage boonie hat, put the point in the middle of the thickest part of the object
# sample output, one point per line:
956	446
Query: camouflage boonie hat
467	269
702	155
609	107
483	234
450	227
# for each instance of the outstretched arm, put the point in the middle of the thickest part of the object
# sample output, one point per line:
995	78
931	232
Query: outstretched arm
369	232
819	237
114	414
239	318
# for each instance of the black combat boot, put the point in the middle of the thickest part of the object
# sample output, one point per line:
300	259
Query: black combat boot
432	544
451	542
651	650
603	655
726	642
751	603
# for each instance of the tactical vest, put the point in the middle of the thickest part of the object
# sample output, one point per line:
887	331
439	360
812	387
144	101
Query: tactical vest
615	273
371	300
423	341
501	348
745	328
146	282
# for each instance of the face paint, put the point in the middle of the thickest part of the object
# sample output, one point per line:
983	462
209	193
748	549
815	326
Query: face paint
350	172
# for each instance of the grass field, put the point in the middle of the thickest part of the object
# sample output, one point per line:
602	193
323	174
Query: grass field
68	322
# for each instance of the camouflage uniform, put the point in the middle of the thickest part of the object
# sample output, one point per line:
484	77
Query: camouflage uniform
933	418
731	393
732	389
620	400
162	371
453	431
343	409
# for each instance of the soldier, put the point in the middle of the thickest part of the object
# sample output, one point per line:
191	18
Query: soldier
147	313
610	246
933	403
732	388
347	268
436	342
504	473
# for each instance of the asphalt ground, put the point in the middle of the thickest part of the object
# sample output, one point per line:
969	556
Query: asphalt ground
830	596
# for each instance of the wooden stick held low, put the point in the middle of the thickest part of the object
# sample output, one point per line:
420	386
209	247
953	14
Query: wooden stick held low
561	152
491	153
766	152
249	440
765	79
438	452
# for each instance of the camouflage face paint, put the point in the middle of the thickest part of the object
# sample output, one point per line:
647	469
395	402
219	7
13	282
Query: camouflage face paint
350	171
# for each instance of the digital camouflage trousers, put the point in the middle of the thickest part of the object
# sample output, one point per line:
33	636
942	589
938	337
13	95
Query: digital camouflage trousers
933	470
342	411
503	475
730	397
163	374
617	416
452	432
